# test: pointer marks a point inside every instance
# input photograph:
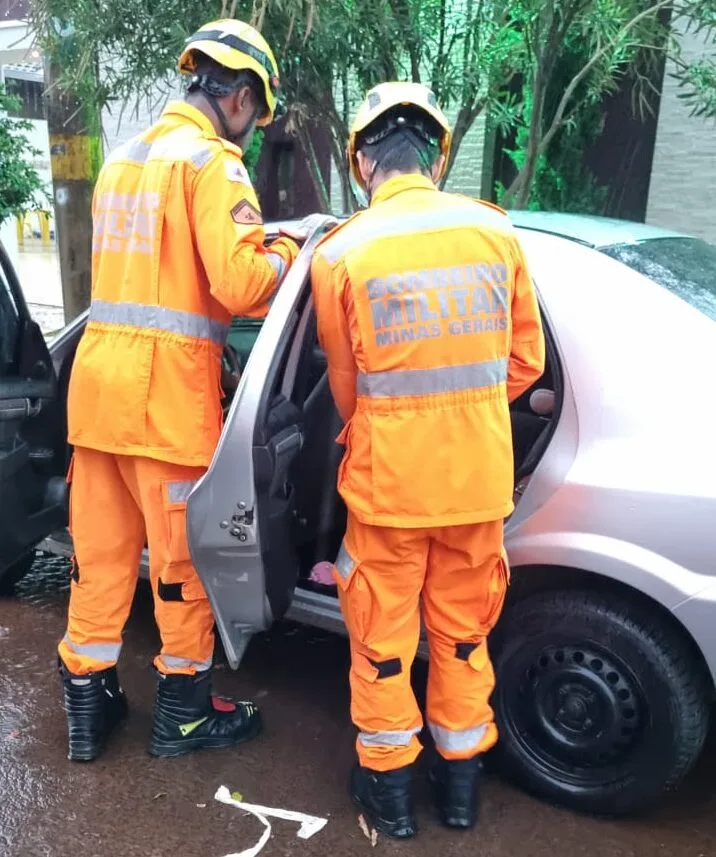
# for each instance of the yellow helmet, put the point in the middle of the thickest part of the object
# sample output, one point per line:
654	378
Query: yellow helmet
236	45
386	97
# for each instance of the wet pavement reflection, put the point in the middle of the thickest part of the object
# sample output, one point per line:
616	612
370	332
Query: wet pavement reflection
127	804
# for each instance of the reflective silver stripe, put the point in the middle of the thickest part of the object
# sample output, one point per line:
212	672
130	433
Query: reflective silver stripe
159	318
277	263
461	741
106	652
175	147
201	158
388	739
135	151
178	146
424	382
369	226
173	663
179	491
345	564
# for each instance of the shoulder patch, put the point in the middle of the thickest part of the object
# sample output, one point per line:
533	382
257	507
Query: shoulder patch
246	214
237	172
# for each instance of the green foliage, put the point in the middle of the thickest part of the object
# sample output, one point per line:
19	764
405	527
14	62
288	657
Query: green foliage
698	78
327	52
576	52
699	87
21	188
469	51
253	153
561	182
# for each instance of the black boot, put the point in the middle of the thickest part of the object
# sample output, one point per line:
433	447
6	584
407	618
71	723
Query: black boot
457	791
95	704
187	717
386	799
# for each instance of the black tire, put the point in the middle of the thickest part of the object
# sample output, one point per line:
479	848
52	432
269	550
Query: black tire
15	573
603	705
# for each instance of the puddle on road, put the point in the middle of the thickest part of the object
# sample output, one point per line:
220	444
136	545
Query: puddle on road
50	807
48	581
29	700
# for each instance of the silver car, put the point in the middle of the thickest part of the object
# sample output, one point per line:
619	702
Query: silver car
606	653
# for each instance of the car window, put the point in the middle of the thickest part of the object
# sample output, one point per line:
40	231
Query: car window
9	326
684	266
242	336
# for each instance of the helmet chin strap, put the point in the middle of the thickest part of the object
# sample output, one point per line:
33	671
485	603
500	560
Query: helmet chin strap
211	91
236	139
369	181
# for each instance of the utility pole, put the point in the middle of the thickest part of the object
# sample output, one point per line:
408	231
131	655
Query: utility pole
75	154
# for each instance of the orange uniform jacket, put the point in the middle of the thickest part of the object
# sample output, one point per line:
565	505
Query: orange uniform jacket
430	323
177	251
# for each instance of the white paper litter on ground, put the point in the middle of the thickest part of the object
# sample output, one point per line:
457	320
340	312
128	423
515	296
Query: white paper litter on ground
309	824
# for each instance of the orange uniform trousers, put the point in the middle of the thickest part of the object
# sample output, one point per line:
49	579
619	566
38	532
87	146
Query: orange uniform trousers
119	503
461	574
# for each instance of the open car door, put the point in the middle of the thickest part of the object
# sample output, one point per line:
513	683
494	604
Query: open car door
240	515
33	493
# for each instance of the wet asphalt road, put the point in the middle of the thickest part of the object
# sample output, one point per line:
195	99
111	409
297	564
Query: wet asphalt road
129	805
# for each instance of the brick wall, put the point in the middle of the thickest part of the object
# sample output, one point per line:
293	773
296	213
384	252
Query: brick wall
682	191
466	174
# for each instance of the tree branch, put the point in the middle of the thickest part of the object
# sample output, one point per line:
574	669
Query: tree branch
582	74
441	47
306	139
525	175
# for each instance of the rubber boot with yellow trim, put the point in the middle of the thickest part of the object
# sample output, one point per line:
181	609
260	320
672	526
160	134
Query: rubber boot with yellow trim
187	717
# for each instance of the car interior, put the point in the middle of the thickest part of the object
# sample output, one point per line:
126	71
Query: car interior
319	514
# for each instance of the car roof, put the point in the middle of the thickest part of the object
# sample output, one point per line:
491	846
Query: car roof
589	229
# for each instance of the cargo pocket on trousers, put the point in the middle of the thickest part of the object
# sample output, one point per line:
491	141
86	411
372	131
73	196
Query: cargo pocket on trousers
178	580
363	668
497	592
478	657
355	594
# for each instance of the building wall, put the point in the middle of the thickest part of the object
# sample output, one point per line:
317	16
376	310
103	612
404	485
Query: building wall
683	179
466	174
16	42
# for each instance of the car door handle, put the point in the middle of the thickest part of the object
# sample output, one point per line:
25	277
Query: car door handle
18	409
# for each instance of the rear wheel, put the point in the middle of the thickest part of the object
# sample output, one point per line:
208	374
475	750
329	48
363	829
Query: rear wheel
603	705
15	573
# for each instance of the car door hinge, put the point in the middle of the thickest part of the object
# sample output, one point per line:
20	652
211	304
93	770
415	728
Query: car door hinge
241	518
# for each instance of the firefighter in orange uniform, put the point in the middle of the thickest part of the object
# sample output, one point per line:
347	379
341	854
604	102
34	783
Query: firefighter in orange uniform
178	249
430	324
